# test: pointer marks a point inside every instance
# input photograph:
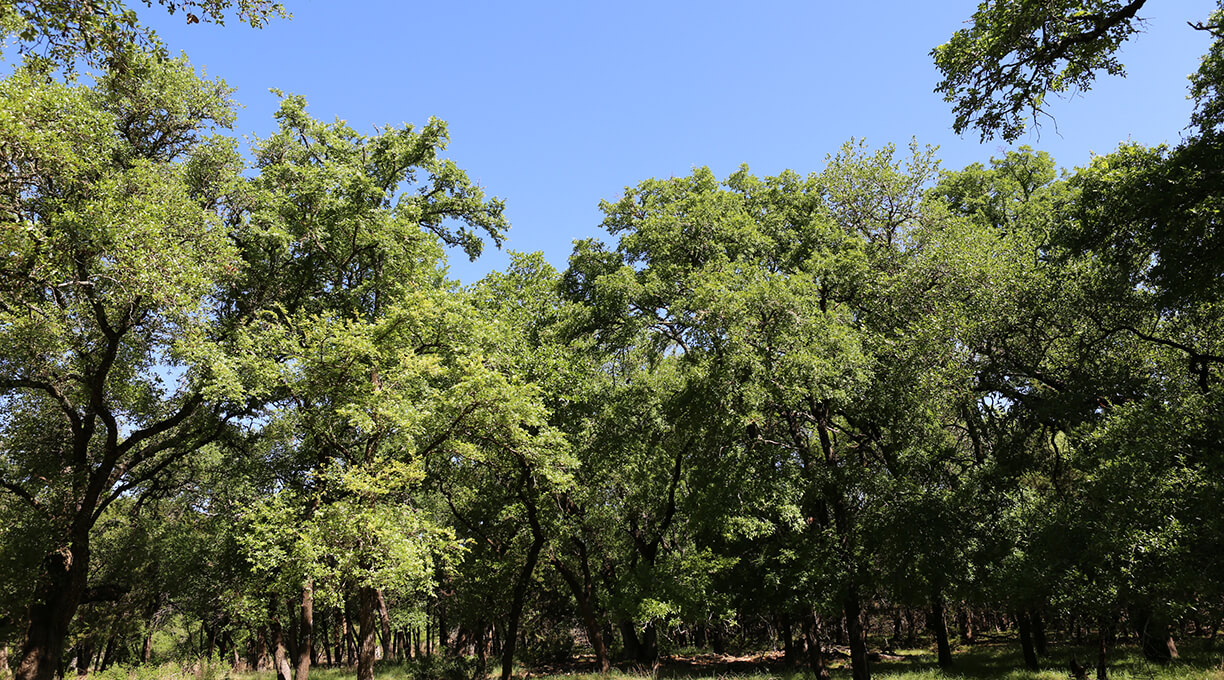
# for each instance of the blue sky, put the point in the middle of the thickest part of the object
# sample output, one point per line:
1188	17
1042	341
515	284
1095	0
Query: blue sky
554	106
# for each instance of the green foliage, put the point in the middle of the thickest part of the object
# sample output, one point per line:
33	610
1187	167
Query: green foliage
64	30
998	71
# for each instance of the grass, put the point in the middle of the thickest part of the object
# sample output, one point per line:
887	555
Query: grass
987	661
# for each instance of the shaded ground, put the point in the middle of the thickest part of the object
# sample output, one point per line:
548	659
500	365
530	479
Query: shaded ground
985	661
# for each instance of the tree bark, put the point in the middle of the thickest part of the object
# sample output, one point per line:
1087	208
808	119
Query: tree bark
305	627
649	649
1039	633
790	652
384	620
55	602
527	494
280	655
940	627
629	639
368	645
965	620
584	594
815	653
1154	637
1102	672
860	668
350	640
84	655
1026	640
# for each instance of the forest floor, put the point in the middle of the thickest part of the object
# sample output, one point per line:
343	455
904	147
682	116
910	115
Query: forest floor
994	660
986	661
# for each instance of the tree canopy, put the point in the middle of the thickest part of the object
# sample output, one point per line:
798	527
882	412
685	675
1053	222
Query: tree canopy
243	406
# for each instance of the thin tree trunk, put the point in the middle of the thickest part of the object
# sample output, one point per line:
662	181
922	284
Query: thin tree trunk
1101	666
443	635
108	656
964	619
350	639
305	630
84	654
650	643
790	651
518	597
384	618
940	627
325	642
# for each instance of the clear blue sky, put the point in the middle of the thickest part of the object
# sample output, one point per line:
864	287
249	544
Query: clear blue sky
553	106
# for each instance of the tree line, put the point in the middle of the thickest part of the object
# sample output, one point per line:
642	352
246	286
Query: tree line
242	406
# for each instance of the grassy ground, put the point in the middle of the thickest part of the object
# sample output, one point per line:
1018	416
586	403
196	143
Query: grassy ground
990	661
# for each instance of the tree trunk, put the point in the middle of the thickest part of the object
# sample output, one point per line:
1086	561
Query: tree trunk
482	650
815	653
350	639
859	667
649	649
1154	637
911	629
584	594
790	651
61	589
629	639
384	620
1101	667
939	626
1039	633
259	649
443	635
964	620
368	645
84	654
280	655
305	628
1026	640
108	657
527	494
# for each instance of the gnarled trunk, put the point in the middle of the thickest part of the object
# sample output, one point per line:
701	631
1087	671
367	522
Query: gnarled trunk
65	576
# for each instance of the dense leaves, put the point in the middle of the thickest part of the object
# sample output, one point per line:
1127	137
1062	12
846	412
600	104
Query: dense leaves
246	414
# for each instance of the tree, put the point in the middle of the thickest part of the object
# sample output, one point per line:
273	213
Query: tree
65	30
998	71
381	364
798	316
116	365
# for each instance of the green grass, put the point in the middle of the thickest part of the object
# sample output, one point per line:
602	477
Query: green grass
988	661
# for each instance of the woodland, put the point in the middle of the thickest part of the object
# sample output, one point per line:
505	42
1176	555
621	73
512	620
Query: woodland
247	420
